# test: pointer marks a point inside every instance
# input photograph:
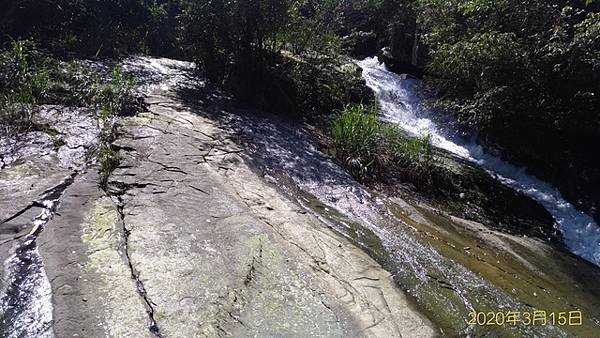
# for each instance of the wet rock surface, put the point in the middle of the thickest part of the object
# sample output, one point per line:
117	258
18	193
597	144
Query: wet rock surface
62	134
447	268
219	252
186	240
224	222
93	293
37	167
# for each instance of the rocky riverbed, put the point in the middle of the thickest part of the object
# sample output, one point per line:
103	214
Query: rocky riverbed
220	221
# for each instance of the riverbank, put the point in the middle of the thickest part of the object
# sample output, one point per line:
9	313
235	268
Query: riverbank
235	221
186	240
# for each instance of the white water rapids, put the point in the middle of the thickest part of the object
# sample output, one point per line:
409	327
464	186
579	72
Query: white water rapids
400	104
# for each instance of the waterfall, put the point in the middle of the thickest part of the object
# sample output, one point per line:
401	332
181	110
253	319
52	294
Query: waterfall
400	104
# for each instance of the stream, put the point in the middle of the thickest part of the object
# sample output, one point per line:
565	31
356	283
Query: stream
446	266
432	272
400	104
27	301
441	287
38	168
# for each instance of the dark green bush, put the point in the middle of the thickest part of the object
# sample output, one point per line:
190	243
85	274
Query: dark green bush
371	149
92	28
281	56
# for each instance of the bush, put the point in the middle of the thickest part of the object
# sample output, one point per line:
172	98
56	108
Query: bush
371	149
355	133
90	28
281	56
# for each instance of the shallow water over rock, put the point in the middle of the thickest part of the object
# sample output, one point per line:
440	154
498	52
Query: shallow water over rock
446	271
447	265
400	104
227	221
37	166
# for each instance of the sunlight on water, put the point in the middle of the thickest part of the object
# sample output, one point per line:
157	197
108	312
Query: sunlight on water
400	104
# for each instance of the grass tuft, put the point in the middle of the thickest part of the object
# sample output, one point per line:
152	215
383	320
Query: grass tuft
370	149
29	77
109	160
355	133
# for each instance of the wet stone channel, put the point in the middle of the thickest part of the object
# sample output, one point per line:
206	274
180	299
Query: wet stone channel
37	167
222	221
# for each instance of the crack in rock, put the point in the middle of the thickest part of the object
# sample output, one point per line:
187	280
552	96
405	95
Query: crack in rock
255	260
135	275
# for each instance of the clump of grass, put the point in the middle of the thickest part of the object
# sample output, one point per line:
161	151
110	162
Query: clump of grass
412	157
116	96
370	149
24	79
109	159
86	88
15	115
355	133
30	77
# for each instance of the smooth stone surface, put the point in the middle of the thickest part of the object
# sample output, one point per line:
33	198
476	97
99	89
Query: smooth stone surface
220	252
93	293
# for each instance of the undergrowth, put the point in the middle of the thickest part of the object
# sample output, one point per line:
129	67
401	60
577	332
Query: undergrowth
355	133
373	150
109	159
30	77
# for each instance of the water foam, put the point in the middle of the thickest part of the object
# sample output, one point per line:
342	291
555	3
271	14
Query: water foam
400	104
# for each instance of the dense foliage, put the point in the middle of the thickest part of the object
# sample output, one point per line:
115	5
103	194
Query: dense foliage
273	54
91	28
525	75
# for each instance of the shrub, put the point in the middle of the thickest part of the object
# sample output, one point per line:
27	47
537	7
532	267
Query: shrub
355	133
370	149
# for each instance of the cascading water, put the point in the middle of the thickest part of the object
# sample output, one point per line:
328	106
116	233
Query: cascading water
400	104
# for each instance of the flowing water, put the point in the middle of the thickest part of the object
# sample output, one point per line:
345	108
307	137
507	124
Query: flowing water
442	288
26	302
399	103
